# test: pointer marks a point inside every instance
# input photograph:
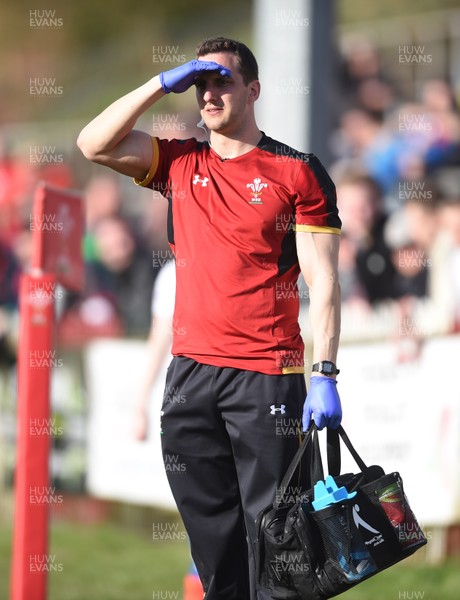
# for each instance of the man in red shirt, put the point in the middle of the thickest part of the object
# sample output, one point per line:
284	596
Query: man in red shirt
247	214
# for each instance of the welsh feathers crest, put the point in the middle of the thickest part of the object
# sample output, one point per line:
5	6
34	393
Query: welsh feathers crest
257	187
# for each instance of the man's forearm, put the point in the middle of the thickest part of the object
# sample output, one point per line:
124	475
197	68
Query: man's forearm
104	133
322	404
325	316
318	259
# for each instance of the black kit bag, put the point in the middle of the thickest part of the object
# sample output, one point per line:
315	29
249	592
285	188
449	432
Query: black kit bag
303	554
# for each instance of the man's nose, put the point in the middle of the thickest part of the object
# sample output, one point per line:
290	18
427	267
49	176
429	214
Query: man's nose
209	94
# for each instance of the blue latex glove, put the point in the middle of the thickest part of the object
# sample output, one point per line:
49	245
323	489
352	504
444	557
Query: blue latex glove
181	78
322	404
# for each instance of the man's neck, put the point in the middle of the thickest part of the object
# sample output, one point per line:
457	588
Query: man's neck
231	147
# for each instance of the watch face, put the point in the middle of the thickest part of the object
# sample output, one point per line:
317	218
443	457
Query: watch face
327	367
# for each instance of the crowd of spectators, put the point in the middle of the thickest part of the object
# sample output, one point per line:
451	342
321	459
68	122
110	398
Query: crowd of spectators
119	248
397	171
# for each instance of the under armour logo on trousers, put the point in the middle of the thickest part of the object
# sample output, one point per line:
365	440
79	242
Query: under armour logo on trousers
274	409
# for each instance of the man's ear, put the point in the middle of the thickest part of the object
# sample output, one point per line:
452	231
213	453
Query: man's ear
254	90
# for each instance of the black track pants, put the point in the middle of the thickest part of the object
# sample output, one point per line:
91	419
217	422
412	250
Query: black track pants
228	438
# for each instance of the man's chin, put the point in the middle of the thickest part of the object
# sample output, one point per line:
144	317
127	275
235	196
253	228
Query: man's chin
216	128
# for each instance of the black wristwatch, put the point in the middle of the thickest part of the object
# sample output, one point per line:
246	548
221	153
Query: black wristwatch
326	367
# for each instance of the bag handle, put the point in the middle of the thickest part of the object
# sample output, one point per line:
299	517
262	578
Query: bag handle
316	472
333	451
334	463
315	467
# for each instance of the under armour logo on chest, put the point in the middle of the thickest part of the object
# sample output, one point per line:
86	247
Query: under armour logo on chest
204	181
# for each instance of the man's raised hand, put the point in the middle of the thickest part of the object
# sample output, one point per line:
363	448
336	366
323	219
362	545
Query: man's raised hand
179	80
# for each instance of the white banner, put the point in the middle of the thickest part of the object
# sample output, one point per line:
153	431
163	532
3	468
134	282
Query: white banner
119	466
402	416
406	417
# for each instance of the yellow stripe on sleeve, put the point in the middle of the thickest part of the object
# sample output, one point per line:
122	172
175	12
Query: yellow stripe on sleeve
316	228
156	158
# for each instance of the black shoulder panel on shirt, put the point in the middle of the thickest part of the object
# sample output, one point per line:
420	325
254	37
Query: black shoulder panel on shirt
328	188
320	173
279	149
322	177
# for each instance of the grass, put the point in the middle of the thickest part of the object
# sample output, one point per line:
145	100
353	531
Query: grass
107	562
110	562
409	581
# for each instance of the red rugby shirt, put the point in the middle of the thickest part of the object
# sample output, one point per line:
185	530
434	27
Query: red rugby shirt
231	226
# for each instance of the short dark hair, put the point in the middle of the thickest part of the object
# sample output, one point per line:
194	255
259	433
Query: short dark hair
246	59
